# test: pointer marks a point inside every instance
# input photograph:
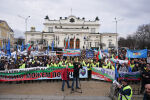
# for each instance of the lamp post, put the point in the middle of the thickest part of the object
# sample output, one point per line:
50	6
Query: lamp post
116	21
26	21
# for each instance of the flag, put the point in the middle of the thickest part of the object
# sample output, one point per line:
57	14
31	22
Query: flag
17	47
0	51
48	49
116	73
8	48
137	53
22	47
28	47
99	55
53	45
68	43
36	47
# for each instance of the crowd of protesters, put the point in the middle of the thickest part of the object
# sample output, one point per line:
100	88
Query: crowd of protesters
132	65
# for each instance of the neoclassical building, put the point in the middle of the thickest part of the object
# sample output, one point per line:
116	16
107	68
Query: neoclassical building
79	32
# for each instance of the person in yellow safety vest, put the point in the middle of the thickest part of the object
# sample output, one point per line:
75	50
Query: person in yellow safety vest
108	64
125	91
97	63
22	66
60	63
112	66
132	64
94	64
71	64
89	67
49	64
105	65
63	64
57	63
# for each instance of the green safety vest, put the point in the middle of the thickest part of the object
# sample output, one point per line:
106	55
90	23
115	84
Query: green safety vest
123	97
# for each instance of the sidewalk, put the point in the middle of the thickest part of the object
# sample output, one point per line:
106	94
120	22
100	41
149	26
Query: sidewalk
42	97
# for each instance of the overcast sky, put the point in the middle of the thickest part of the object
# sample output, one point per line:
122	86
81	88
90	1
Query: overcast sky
131	13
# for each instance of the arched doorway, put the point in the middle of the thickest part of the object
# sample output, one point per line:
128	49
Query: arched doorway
77	43
71	43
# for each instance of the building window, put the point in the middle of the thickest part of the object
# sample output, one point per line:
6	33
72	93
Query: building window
77	43
45	35
90	44
109	36
32	34
92	30
50	29
96	44
71	43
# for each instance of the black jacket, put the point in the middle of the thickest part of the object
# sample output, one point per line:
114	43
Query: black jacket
76	69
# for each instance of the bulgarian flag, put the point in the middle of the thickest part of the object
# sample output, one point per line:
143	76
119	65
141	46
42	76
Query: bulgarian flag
99	55
28	46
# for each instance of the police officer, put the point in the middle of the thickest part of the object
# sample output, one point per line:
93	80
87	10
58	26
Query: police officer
125	91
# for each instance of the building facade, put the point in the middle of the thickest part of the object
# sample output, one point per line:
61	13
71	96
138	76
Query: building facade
78	32
6	33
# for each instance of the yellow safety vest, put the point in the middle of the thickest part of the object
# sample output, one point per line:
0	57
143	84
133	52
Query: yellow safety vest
22	66
63	65
97	64
104	66
88	66
60	63
48	65
132	65
93	65
123	97
70	64
112	67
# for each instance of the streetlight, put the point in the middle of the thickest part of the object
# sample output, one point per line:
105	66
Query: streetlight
116	21
26	19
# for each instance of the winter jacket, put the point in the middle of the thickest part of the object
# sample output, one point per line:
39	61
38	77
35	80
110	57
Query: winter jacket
65	74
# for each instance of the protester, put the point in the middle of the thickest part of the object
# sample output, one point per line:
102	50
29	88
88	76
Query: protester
123	68
147	92
65	77
125	91
145	77
77	67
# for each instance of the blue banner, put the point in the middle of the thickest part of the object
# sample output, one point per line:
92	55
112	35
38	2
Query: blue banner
89	53
137	53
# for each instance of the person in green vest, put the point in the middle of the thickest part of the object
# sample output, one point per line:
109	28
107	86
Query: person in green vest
125	91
